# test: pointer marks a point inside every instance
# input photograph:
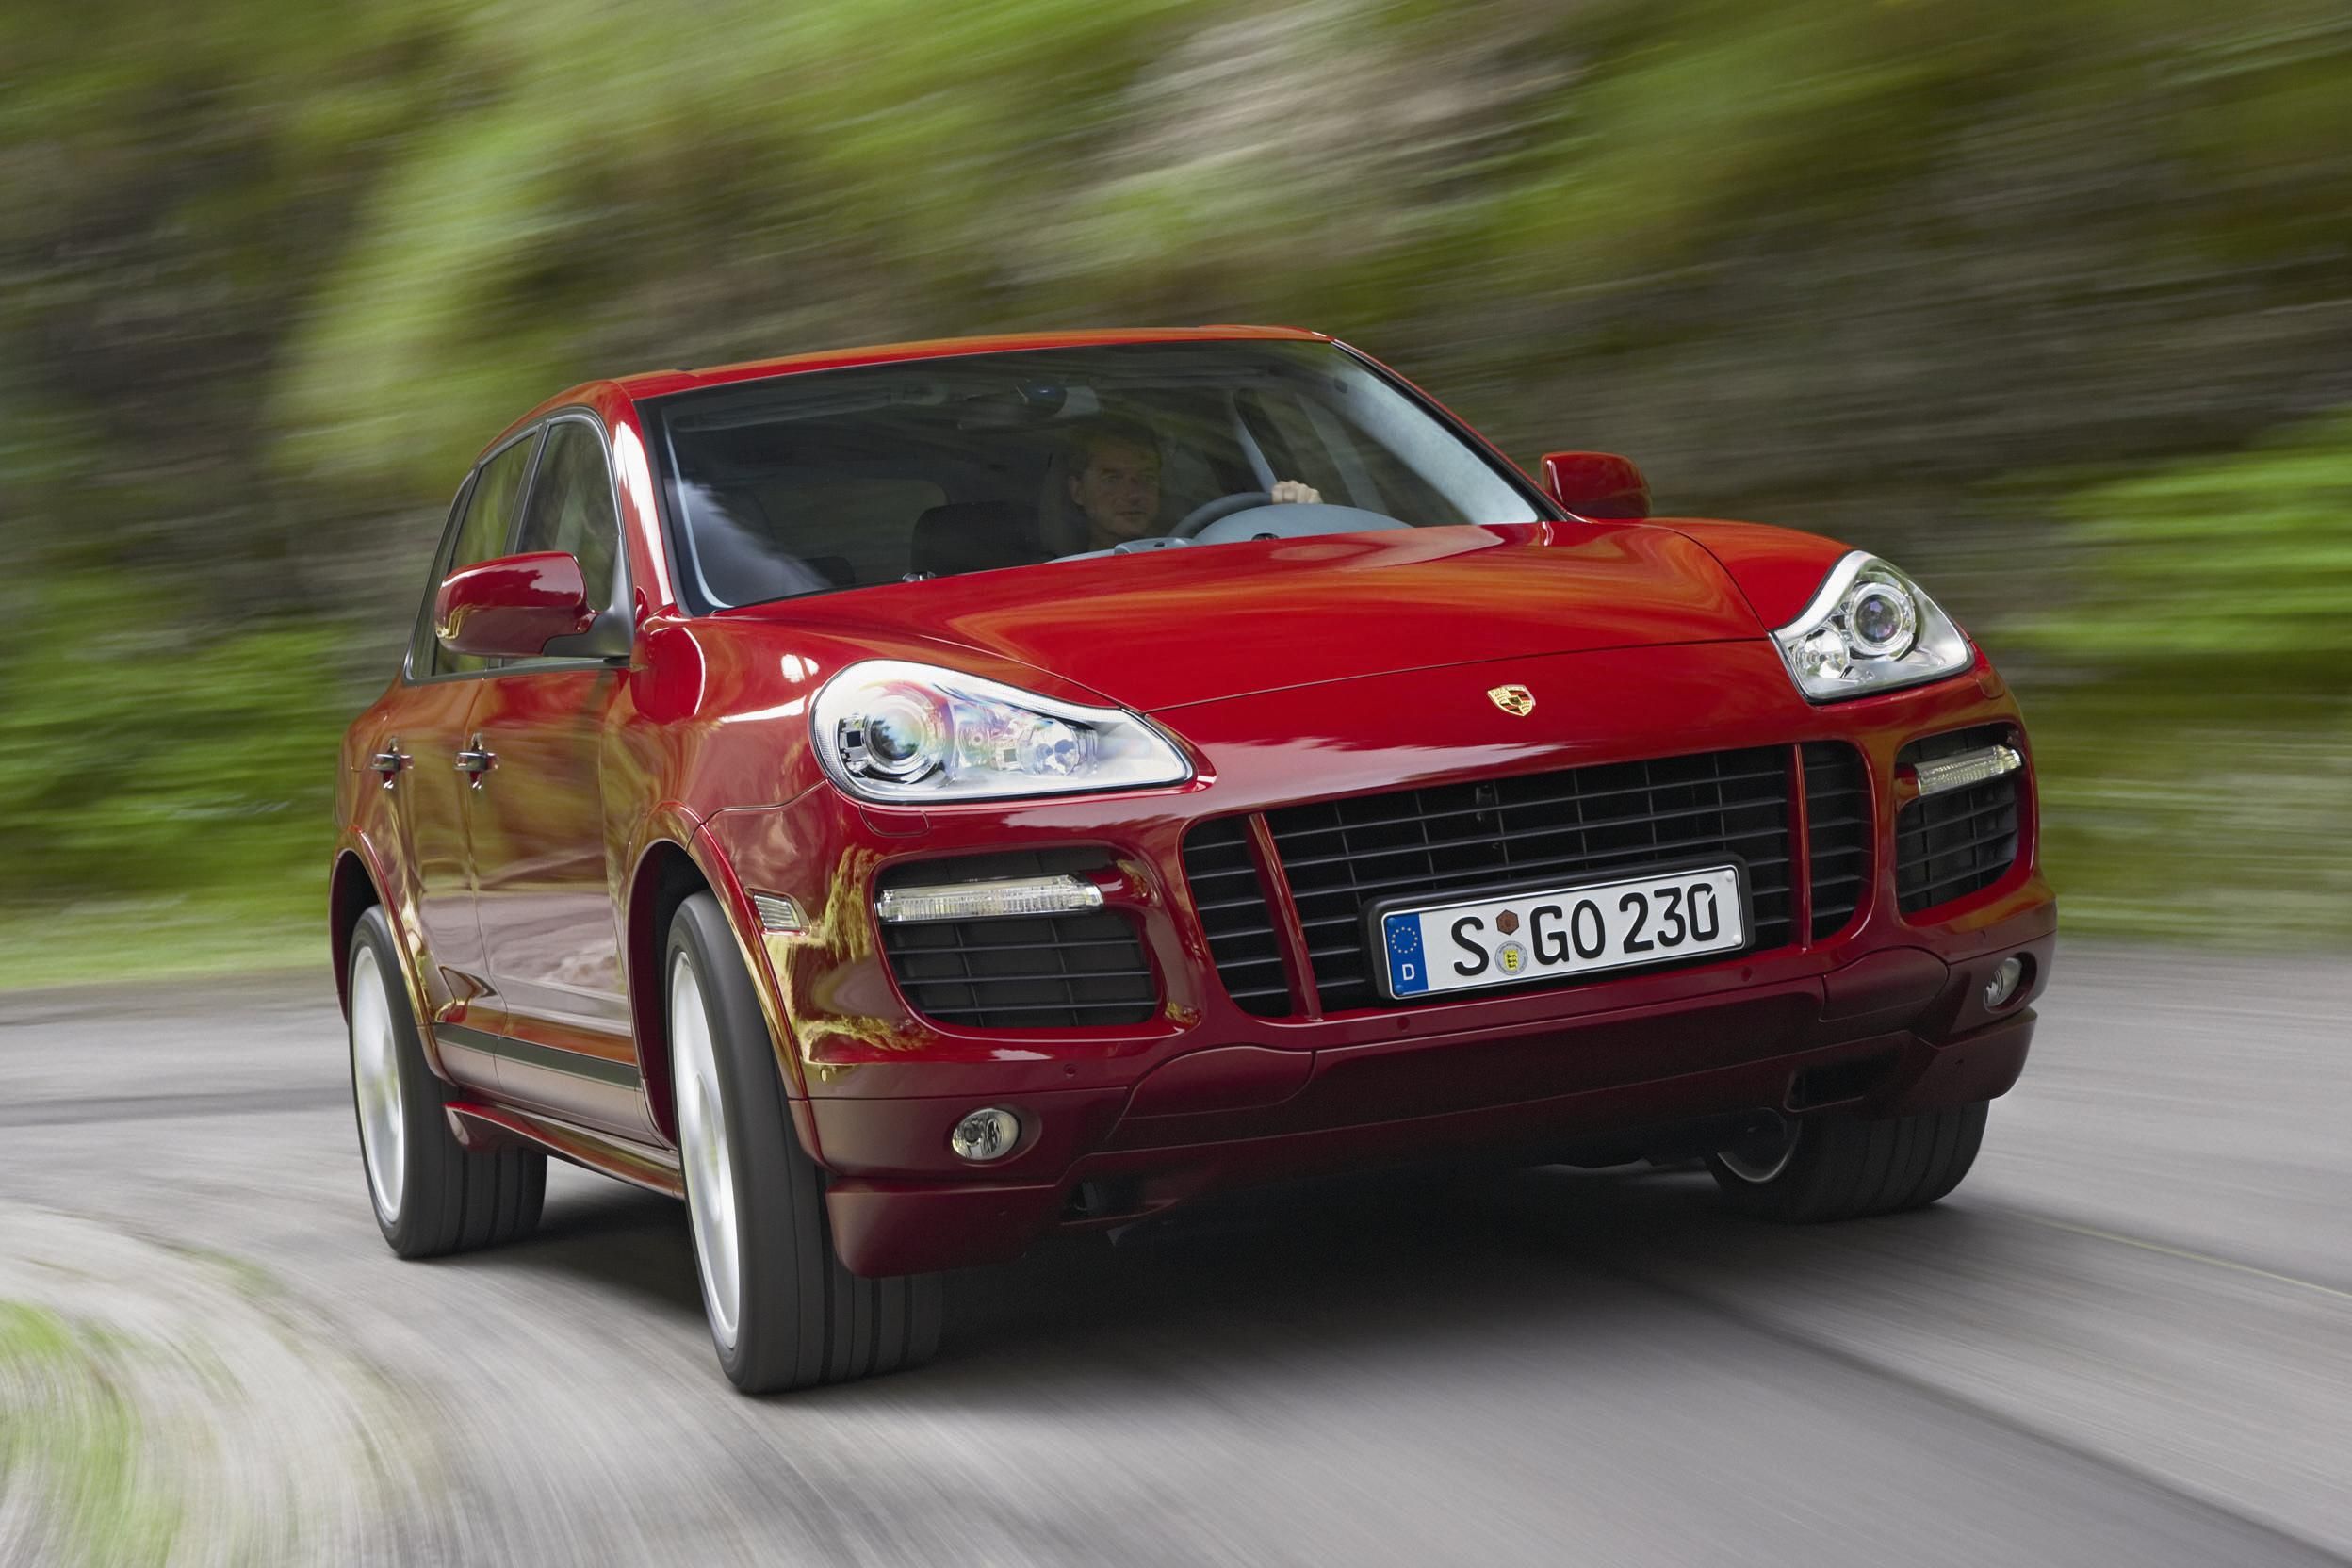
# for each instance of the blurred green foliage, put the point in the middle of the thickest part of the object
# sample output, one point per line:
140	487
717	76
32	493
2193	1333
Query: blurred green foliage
2197	752
2053	301
2238	567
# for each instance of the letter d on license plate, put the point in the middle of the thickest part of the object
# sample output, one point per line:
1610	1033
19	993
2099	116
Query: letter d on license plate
1509	937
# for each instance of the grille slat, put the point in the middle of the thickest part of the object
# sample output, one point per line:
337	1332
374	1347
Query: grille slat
1341	855
1960	842
1838	832
1614	860
1945	850
1508	836
1240	927
1951	821
1028	972
1772	775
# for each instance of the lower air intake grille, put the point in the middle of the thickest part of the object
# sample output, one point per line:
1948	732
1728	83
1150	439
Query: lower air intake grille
1838	832
1022	972
1234	912
1955	844
1584	822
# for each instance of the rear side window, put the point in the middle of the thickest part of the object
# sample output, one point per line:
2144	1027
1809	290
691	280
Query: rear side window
488	525
571	508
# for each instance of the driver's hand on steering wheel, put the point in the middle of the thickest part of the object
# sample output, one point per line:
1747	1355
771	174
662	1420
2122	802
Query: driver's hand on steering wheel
1291	492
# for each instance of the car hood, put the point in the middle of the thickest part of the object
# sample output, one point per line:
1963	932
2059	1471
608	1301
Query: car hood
1199	624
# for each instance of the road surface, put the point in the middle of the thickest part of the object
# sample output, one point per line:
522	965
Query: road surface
2127	1339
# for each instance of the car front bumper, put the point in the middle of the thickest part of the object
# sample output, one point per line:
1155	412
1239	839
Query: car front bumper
1881	1018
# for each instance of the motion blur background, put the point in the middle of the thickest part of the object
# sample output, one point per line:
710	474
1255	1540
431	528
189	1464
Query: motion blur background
2048	299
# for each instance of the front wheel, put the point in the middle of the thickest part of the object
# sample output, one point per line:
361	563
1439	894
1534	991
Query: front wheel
784	1313
1844	1168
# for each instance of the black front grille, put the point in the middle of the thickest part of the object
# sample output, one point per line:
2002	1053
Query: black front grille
1959	841
1234	914
1836	832
1341	856
1024	971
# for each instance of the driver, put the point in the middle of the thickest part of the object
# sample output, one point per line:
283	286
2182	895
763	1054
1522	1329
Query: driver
1113	468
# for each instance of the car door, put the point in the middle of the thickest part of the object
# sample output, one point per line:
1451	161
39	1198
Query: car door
544	860
431	728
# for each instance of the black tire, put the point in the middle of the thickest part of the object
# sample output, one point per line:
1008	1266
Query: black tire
1846	1167
802	1319
450	1198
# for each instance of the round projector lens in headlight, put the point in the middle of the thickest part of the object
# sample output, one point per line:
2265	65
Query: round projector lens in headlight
901	734
1881	622
2008	976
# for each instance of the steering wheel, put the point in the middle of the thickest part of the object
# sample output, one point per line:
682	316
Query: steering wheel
1206	513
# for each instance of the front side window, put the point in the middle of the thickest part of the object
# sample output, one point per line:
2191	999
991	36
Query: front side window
571	509
488	525
839	479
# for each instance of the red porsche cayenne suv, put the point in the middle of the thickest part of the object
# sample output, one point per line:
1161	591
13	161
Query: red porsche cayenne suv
908	800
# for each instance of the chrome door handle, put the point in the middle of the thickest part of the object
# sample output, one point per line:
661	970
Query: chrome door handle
476	761
389	761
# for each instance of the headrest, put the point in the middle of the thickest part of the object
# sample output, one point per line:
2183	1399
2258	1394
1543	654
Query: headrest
971	536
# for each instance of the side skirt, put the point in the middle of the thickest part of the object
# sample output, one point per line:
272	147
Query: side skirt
481	1126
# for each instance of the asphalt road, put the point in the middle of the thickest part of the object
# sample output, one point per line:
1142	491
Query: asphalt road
2127	1339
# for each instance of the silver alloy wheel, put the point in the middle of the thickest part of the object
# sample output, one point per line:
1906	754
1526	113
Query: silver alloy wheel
1760	1167
376	1086
703	1150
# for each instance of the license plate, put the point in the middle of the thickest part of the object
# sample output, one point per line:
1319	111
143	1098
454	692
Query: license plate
1504	938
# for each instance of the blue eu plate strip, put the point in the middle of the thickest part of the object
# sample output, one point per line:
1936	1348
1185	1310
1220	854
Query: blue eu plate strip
1408	974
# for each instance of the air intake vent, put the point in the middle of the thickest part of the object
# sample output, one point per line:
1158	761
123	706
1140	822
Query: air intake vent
1838	832
1234	912
1537	828
1959	841
1019	972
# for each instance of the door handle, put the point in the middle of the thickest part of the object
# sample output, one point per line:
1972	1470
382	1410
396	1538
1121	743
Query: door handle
476	761
389	761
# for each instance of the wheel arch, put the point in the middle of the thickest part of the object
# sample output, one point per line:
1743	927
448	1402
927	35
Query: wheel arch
351	891
672	868
356	885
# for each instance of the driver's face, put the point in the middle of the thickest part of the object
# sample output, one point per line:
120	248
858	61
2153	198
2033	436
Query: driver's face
1118	490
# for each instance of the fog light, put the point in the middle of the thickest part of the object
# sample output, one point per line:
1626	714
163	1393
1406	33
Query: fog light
2007	977
985	1136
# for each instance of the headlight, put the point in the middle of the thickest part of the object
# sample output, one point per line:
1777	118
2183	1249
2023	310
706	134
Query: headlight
1870	629
893	731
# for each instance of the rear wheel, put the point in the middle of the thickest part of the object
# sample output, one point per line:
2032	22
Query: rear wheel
431	1193
783	1312
1844	1168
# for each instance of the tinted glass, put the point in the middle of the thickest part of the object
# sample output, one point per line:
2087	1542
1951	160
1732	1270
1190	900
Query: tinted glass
420	643
837	479
489	524
571	506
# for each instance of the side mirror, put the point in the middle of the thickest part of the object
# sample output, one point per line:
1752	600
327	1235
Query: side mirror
1596	484
511	606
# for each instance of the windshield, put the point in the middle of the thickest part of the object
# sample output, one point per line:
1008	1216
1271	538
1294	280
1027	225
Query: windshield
843	478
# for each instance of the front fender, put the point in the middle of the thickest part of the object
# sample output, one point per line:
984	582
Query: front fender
1778	569
673	830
